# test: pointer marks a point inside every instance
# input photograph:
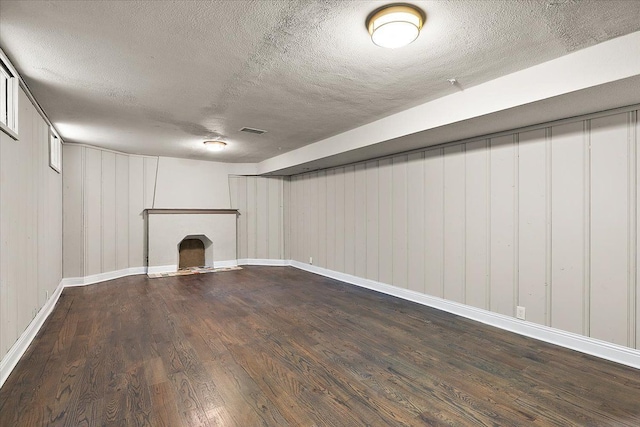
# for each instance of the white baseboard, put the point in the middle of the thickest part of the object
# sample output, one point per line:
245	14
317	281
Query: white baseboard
11	359
259	261
225	264
102	277
616	353
161	269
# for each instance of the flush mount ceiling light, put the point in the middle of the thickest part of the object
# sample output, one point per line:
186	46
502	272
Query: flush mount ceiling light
395	25
215	145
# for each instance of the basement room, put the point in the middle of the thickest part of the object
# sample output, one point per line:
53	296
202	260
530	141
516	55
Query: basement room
319	213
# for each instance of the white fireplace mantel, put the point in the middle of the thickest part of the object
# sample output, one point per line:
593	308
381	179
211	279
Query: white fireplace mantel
166	228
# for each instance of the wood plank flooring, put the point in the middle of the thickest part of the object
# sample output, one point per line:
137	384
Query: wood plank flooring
276	346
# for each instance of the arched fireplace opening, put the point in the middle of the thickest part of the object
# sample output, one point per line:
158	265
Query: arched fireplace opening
191	253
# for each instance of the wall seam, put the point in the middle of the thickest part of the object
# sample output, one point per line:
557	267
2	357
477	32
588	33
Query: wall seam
632	227
586	311
549	227
464	225
488	202
516	220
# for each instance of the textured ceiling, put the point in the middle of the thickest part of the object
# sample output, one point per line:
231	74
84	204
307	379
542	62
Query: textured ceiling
159	77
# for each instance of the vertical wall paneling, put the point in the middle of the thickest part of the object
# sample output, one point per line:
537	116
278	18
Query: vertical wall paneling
434	222
360	218
399	248
636	178
545	219
415	222
372	218
275	218
532	195
609	313
286	217
476	224
349	220
633	227
385	218
252	220
331	219
454	223
150	171
30	224
568	219
73	259
502	224
262	218
122	211
137	231
93	211
340	219
108	205
321	196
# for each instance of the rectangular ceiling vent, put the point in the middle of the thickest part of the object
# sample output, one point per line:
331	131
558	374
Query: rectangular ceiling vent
252	130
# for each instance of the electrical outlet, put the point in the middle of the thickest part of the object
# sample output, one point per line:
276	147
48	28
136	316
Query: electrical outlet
520	312
311	260
46	295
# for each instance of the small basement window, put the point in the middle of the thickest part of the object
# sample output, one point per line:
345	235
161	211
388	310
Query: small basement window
55	152
8	99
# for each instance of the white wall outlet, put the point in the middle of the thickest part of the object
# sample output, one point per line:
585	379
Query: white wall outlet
46	295
520	312
311	260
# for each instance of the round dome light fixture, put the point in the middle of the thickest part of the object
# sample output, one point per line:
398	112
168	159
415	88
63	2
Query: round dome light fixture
215	145
395	25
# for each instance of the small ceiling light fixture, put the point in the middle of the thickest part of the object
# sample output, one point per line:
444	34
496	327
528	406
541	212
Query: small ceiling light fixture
395	25
215	145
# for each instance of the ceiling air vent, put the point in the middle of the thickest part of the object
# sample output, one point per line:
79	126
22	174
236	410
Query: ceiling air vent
252	130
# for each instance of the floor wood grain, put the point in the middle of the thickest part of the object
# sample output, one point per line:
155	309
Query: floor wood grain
276	346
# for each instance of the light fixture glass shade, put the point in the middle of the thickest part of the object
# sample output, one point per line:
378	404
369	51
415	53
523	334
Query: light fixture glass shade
215	145
395	26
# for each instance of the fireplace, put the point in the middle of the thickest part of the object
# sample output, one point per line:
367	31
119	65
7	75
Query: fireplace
181	238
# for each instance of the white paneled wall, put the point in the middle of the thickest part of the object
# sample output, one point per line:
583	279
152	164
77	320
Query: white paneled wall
104	197
30	224
544	218
260	202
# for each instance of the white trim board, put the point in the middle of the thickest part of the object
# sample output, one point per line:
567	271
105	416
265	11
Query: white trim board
17	350
613	352
267	262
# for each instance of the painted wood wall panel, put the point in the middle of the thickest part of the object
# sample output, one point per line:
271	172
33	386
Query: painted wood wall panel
275	220
73	166
339	260
262	218
415	222
502	175
476	224
331	220
122	211
503	222
568	227
434	222
320	258
454	223
108	204
371	169
360	215
385	220
30	224
137	231
609	260
92	212
349	220
399	221
532	249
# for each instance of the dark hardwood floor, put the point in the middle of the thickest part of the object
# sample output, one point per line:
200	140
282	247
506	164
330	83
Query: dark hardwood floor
278	346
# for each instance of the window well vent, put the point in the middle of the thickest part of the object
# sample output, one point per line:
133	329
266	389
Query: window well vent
252	130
